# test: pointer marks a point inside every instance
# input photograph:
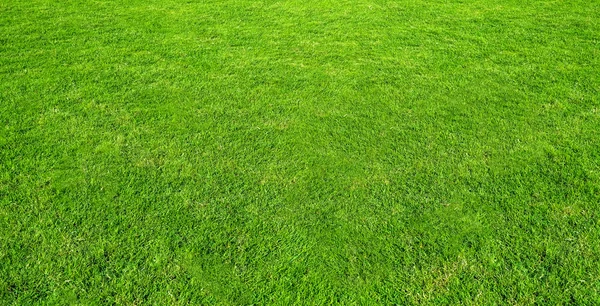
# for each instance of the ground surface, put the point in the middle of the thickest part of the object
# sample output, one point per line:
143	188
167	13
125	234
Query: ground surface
309	152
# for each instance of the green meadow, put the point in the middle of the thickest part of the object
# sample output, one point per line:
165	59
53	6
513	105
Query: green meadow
354	152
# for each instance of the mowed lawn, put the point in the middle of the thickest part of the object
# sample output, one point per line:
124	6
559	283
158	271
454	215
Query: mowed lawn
172	152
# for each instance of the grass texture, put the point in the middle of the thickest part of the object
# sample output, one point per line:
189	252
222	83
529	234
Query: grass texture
174	152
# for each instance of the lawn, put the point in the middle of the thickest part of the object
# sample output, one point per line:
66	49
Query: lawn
234	152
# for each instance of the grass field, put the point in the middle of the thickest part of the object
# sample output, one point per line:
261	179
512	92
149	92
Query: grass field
299	152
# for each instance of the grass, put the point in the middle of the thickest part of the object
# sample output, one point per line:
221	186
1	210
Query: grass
299	152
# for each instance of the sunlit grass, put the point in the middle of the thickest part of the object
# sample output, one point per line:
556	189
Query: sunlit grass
299	152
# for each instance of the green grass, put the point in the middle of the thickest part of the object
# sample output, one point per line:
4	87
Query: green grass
299	152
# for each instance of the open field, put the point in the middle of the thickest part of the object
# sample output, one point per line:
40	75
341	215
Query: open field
299	152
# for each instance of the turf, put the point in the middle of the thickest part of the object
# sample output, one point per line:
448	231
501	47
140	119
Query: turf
299	152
